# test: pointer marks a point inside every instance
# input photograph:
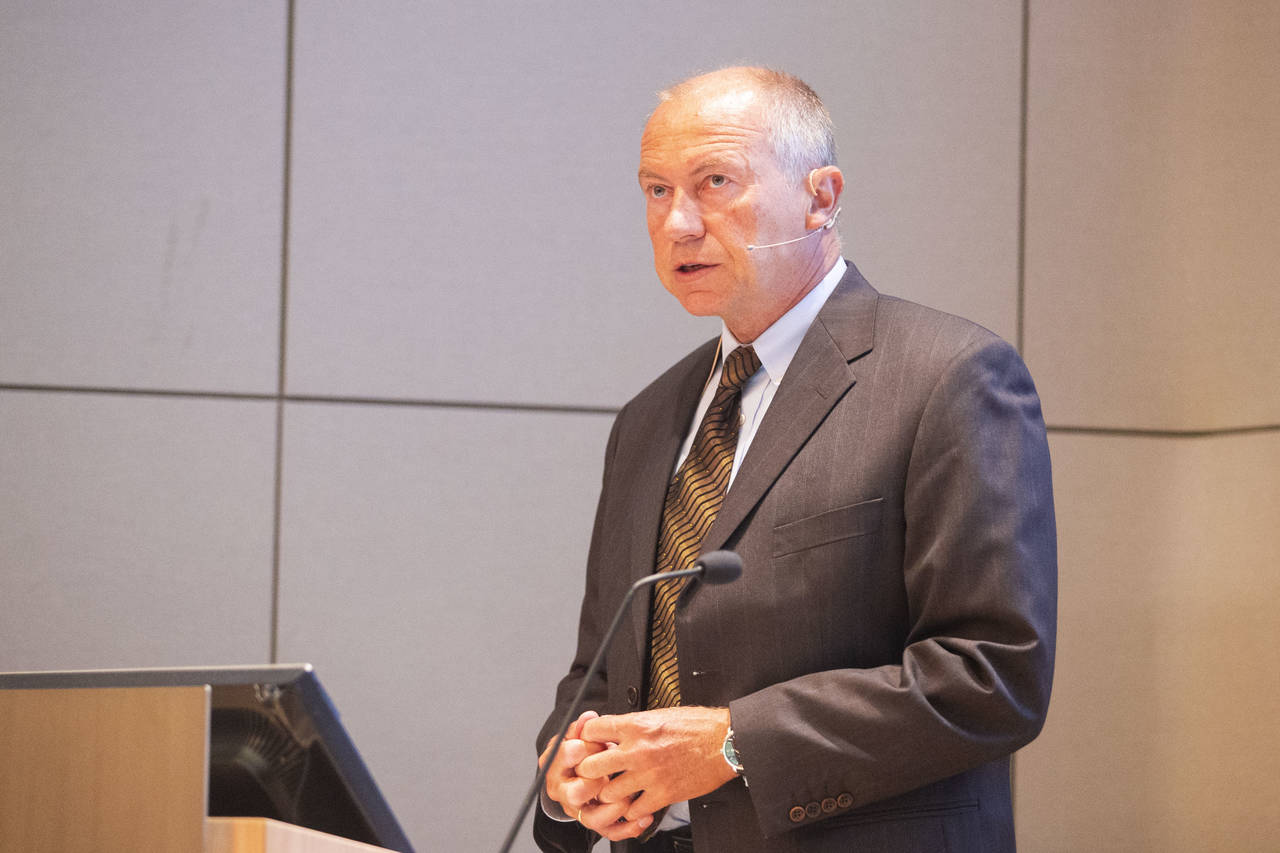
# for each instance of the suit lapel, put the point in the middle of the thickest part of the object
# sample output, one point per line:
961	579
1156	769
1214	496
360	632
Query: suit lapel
817	378
667	414
819	375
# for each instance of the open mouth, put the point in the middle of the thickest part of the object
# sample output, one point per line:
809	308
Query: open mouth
687	268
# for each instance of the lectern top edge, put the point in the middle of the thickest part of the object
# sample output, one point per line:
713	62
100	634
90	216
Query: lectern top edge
178	676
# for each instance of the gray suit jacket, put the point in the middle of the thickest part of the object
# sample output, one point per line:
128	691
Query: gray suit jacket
890	642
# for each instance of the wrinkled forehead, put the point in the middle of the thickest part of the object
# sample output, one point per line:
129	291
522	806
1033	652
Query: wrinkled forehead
708	106
693	121
737	100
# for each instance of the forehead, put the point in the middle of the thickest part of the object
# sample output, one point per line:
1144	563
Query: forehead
690	130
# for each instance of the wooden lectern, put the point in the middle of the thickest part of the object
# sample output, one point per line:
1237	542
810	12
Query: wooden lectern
123	770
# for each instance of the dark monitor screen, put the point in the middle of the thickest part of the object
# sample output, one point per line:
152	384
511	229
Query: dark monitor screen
277	748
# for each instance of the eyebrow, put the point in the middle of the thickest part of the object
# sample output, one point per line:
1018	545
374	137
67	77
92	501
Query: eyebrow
718	163
713	164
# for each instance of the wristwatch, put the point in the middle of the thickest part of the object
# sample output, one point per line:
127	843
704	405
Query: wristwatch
730	752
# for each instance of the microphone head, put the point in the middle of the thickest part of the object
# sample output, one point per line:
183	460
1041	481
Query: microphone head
719	567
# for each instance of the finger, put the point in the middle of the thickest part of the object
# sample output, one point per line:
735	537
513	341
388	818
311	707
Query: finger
555	785
626	829
606	762
562	769
579	792
564	742
574	751
622	788
605	819
572	733
604	729
575	728
645	804
542	758
568	756
600	816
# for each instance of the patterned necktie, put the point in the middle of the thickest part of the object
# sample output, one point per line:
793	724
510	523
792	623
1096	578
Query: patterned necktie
693	501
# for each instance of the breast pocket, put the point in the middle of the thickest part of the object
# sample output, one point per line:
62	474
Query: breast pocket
834	603
825	528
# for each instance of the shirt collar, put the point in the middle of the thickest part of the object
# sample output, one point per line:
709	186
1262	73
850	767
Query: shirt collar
777	344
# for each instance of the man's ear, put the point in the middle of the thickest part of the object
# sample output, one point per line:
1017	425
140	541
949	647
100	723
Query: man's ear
825	184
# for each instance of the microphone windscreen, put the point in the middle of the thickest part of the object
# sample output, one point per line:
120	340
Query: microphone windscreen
720	567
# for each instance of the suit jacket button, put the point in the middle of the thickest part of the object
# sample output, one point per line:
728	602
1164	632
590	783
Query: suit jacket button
796	814
829	805
813	809
844	800
633	696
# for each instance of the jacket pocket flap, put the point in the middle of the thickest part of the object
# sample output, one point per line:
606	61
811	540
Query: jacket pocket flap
831	526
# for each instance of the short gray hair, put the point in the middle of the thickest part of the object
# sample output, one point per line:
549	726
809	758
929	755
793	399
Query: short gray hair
799	126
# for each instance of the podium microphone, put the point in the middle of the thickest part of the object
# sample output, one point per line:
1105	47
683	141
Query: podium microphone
716	567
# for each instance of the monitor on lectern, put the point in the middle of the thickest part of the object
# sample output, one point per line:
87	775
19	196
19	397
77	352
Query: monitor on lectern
277	748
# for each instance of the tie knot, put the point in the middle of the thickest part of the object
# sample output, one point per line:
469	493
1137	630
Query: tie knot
740	366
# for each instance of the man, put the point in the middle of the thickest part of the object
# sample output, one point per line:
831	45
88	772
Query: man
882	470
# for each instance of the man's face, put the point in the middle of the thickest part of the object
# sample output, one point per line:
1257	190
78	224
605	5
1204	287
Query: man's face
712	185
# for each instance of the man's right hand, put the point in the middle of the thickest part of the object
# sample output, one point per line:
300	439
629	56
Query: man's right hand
564	785
576	794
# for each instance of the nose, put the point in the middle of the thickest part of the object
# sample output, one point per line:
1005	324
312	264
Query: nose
683	220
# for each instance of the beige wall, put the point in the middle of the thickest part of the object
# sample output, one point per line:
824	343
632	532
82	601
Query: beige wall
1152	313
345	399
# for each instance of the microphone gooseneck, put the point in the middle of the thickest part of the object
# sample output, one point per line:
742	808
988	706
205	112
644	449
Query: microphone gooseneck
716	567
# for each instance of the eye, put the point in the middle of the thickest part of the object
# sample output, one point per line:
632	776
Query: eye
716	181
657	191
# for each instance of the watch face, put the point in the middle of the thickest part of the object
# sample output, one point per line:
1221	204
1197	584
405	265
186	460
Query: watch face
731	753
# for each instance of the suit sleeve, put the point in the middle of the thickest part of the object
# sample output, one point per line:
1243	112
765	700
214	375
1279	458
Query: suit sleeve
980	574
551	835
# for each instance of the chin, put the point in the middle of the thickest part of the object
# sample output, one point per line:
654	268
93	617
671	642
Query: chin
700	304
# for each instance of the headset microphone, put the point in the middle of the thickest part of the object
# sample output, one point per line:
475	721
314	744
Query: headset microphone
823	227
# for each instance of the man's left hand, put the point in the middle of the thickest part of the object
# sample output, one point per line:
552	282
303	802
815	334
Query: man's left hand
664	756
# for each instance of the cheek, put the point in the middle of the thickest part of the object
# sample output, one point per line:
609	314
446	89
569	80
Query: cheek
735	230
654	224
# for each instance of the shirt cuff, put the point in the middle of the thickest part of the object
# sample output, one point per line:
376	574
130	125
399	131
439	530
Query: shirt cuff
552	809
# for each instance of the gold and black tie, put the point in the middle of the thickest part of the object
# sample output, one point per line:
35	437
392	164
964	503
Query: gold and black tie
693	501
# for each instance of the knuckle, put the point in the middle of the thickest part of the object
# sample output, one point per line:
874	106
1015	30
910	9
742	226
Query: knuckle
580	790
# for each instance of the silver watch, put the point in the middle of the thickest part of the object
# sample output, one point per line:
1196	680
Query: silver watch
730	752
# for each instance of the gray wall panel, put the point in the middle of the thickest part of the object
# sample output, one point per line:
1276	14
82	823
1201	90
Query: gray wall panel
465	182
1161	735
466	226
432	570
1153	205
140	229
137	531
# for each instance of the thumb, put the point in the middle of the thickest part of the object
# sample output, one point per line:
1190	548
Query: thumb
575	728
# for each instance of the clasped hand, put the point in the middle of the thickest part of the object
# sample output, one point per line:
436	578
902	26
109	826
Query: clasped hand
613	773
